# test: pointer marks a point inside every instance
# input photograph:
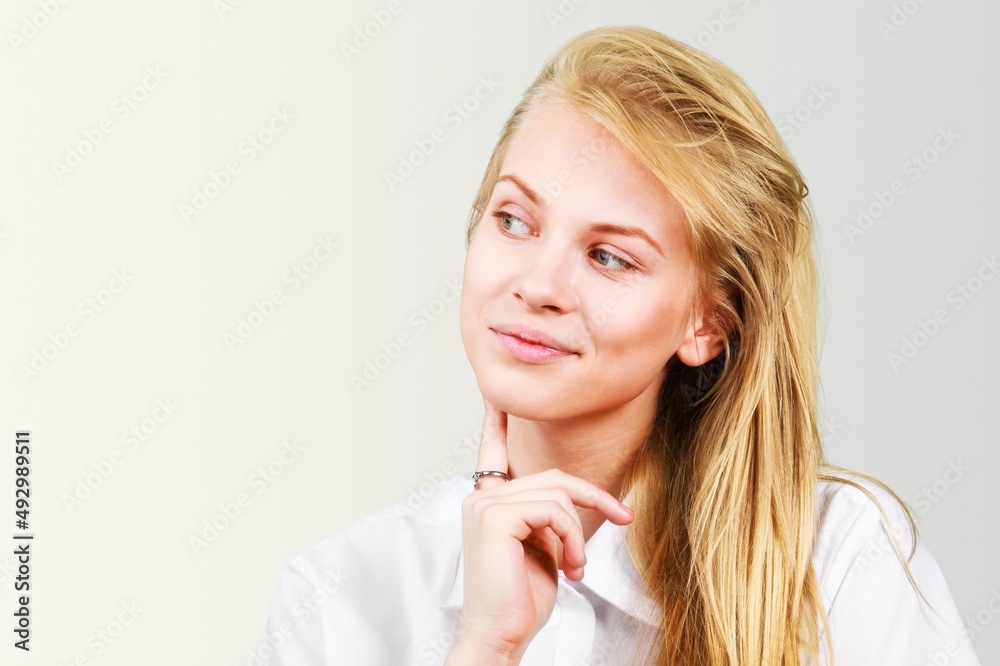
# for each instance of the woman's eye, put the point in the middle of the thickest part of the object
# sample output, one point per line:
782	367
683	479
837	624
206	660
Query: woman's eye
514	225
608	260
518	227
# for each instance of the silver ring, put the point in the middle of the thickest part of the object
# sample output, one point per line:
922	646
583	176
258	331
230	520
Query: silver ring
488	472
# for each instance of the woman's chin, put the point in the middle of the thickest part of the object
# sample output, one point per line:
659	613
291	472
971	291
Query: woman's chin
514	400
521	403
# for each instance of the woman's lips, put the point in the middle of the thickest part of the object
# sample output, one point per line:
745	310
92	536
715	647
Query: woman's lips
529	352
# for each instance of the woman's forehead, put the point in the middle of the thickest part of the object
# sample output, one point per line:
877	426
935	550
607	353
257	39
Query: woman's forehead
573	164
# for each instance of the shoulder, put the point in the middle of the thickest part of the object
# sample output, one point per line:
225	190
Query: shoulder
859	521
885	596
850	503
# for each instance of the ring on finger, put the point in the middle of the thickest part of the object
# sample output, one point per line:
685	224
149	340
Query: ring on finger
488	472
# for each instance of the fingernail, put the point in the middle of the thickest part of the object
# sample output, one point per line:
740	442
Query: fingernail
630	512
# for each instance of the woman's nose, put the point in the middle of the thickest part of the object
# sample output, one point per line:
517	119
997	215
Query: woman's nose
546	280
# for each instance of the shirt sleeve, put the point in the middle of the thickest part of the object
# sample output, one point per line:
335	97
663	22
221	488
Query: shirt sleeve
294	634
358	597
876	616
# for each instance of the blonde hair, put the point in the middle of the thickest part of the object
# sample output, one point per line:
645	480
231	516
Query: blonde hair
724	488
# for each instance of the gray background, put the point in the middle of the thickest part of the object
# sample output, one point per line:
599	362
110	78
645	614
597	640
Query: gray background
887	93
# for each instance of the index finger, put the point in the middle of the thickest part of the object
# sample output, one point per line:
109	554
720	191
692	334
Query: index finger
493	446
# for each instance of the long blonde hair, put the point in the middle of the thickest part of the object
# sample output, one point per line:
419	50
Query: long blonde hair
724	489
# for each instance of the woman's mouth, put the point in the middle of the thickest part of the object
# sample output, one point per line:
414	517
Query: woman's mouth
529	345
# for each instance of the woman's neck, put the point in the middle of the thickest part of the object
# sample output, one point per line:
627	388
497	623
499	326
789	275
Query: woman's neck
599	448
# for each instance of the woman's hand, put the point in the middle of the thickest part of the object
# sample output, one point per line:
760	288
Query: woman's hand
516	537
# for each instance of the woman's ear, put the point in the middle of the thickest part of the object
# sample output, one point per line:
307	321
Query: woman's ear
705	337
700	346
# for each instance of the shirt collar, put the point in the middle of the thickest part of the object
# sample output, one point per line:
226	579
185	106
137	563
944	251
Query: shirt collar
609	574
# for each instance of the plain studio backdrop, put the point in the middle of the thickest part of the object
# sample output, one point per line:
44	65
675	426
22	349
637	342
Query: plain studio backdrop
233	240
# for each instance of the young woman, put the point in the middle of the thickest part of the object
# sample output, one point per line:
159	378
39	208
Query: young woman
639	307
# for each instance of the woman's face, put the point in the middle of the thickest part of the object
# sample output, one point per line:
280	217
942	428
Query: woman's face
581	249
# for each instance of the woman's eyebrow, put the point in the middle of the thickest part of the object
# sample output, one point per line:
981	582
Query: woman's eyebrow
599	227
622	230
528	192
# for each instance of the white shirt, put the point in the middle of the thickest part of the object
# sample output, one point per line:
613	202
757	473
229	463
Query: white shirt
388	590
